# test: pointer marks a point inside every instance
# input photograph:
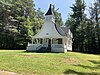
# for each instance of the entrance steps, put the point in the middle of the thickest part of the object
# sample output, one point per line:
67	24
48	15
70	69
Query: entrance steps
44	49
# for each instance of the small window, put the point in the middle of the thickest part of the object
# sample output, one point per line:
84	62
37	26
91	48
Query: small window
47	33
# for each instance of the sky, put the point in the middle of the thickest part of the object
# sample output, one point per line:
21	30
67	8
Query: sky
63	5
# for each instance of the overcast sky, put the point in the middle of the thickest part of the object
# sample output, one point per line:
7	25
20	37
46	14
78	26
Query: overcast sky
63	5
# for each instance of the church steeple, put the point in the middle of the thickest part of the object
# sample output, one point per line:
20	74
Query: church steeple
49	16
49	12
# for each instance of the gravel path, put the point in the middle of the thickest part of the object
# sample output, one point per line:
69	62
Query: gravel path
7	73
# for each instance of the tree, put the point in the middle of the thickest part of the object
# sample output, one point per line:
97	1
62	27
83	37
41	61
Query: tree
39	20
16	15
26	23
86	31
8	30
58	18
95	25
77	22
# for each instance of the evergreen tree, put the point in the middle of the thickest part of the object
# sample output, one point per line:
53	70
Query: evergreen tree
77	23
95	25
16	15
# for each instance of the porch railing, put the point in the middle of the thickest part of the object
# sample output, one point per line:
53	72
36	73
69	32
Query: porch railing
57	45
34	46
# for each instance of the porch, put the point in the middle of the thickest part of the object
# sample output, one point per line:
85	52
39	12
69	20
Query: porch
49	44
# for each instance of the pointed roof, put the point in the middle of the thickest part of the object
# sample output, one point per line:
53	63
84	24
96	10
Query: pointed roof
63	31
49	12
59	30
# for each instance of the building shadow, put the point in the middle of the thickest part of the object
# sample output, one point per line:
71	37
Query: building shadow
71	72
39	52
94	68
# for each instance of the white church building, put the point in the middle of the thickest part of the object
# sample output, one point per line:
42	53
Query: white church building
51	37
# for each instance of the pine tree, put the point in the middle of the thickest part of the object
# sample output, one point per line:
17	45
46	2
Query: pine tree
16	15
95	22
77	22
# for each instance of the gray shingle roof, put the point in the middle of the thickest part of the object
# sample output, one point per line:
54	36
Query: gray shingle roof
65	29
59	30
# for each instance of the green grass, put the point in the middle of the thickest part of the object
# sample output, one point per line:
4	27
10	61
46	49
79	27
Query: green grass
28	63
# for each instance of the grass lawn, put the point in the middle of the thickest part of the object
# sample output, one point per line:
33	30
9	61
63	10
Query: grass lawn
28	63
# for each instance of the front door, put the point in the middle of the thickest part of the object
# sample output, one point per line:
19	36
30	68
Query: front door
49	43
